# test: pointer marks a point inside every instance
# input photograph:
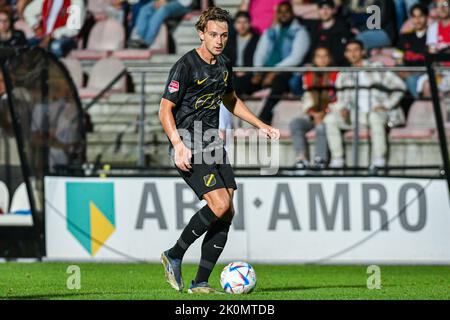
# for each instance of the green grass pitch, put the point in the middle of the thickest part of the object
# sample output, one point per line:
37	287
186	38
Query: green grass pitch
146	281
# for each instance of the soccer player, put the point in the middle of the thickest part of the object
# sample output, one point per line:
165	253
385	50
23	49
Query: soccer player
197	84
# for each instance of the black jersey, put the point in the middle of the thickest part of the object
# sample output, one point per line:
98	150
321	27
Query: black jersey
197	88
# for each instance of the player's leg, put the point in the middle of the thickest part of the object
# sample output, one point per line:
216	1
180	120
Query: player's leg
202	179
215	239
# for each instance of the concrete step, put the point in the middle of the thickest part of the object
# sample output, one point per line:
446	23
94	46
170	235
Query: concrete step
115	111
126	99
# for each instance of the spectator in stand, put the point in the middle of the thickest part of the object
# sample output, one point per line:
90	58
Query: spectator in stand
438	41
356	13
438	34
262	13
150	18
284	45
413	45
135	7
50	21
240	50
330	32
8	36
378	98
319	93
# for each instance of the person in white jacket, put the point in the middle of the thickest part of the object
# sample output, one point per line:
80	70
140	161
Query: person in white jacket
56	23
378	96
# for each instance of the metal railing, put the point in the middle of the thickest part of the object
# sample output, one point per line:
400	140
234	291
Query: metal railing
144	70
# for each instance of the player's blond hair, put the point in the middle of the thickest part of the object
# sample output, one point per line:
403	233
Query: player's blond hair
212	14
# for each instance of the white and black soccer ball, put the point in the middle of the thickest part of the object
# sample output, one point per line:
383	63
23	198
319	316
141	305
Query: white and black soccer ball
238	278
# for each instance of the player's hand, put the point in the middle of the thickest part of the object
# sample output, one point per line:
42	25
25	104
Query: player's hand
271	132
183	157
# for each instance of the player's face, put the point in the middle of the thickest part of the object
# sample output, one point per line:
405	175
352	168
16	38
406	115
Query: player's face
354	54
419	20
443	9
215	37
322	58
326	13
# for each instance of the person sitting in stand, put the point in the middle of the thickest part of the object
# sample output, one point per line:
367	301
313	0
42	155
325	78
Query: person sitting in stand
319	93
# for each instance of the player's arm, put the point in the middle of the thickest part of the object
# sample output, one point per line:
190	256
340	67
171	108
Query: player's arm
237	107
182	153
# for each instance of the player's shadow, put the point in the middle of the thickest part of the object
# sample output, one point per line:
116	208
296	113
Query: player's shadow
73	295
302	288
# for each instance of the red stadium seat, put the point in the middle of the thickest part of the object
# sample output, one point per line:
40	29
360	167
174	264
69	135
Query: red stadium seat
103	72
99	8
284	112
75	70
105	37
364	134
160	46
420	123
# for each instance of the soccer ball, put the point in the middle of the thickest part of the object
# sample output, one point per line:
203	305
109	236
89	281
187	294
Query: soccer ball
238	278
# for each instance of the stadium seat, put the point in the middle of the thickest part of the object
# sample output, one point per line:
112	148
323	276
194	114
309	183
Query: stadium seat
20	199
99	8
102	73
364	134
75	70
4	198
262	94
420	123
105	37
284	112
160	46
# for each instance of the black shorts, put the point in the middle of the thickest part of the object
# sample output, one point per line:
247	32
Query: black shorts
204	177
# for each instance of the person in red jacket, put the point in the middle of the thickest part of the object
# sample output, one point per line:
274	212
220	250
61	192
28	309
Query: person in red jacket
319	93
56	23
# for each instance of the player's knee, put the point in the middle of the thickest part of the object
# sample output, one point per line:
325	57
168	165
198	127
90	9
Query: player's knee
220	207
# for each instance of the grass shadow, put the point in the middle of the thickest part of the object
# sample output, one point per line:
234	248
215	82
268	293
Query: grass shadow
303	288
61	295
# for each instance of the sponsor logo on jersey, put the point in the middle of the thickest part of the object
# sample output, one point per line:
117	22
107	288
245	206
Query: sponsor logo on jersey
200	82
225	76
174	86
208	101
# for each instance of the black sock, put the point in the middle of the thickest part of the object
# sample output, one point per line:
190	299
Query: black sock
196	227
212	246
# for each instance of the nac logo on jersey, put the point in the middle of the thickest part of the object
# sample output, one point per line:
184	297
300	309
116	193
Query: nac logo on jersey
210	180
